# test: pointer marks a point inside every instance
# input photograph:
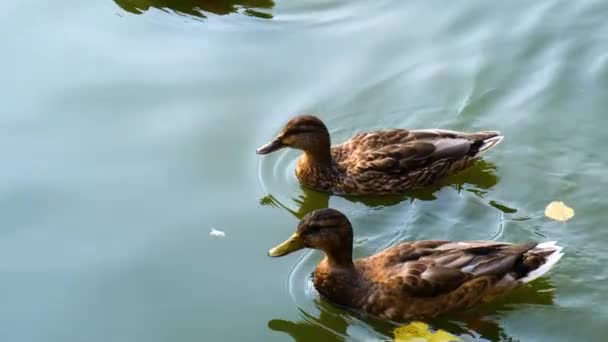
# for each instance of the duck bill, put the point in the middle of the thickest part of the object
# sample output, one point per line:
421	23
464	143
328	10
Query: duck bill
292	244
272	146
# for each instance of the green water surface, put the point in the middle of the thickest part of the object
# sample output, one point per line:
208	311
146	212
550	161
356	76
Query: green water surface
128	131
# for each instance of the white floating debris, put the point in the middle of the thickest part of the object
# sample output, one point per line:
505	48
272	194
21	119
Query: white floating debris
217	233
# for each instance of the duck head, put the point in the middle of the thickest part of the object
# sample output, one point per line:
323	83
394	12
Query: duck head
327	230
305	132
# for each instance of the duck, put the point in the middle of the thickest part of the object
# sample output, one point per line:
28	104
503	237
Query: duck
384	162
414	279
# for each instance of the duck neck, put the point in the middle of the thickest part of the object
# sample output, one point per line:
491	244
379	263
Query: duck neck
342	257
339	261
320	154
337	279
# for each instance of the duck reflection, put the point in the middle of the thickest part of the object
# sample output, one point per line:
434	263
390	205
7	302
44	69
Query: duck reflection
327	327
200	8
477	180
482	322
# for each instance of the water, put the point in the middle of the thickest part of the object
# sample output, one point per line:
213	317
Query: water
128	132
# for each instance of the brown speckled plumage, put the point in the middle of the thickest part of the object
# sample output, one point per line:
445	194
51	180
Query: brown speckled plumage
416	278
385	162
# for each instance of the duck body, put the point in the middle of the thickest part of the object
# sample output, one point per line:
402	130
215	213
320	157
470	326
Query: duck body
415	279
385	162
391	162
429	278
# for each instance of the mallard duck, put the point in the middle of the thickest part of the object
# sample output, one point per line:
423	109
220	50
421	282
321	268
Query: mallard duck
416	278
386	162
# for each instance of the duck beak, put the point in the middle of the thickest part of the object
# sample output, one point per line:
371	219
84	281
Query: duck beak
272	146
292	244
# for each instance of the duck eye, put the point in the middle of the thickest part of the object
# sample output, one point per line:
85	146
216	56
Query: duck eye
314	229
300	130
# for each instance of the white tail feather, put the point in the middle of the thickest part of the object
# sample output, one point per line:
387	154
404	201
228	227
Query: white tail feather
549	263
489	144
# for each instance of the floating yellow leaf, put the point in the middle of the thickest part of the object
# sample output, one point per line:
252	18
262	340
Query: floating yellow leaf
420	332
559	211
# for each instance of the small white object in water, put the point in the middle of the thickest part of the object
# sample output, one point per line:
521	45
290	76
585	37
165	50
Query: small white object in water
217	233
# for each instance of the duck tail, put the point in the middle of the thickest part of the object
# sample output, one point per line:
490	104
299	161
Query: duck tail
548	253
486	141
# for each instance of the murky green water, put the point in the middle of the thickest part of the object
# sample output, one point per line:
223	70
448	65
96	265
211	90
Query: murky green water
128	131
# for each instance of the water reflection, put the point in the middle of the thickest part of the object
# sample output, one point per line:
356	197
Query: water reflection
200	8
312	328
482	322
477	180
330	324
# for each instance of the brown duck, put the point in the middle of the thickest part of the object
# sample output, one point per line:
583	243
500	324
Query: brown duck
385	162
416	278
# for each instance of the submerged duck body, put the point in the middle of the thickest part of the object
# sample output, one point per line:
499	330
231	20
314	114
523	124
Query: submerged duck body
385	162
416	278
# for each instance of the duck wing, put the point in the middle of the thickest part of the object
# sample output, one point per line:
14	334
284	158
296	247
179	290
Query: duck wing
432	268
402	151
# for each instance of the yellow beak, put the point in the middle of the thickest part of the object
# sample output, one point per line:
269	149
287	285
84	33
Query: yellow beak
292	244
